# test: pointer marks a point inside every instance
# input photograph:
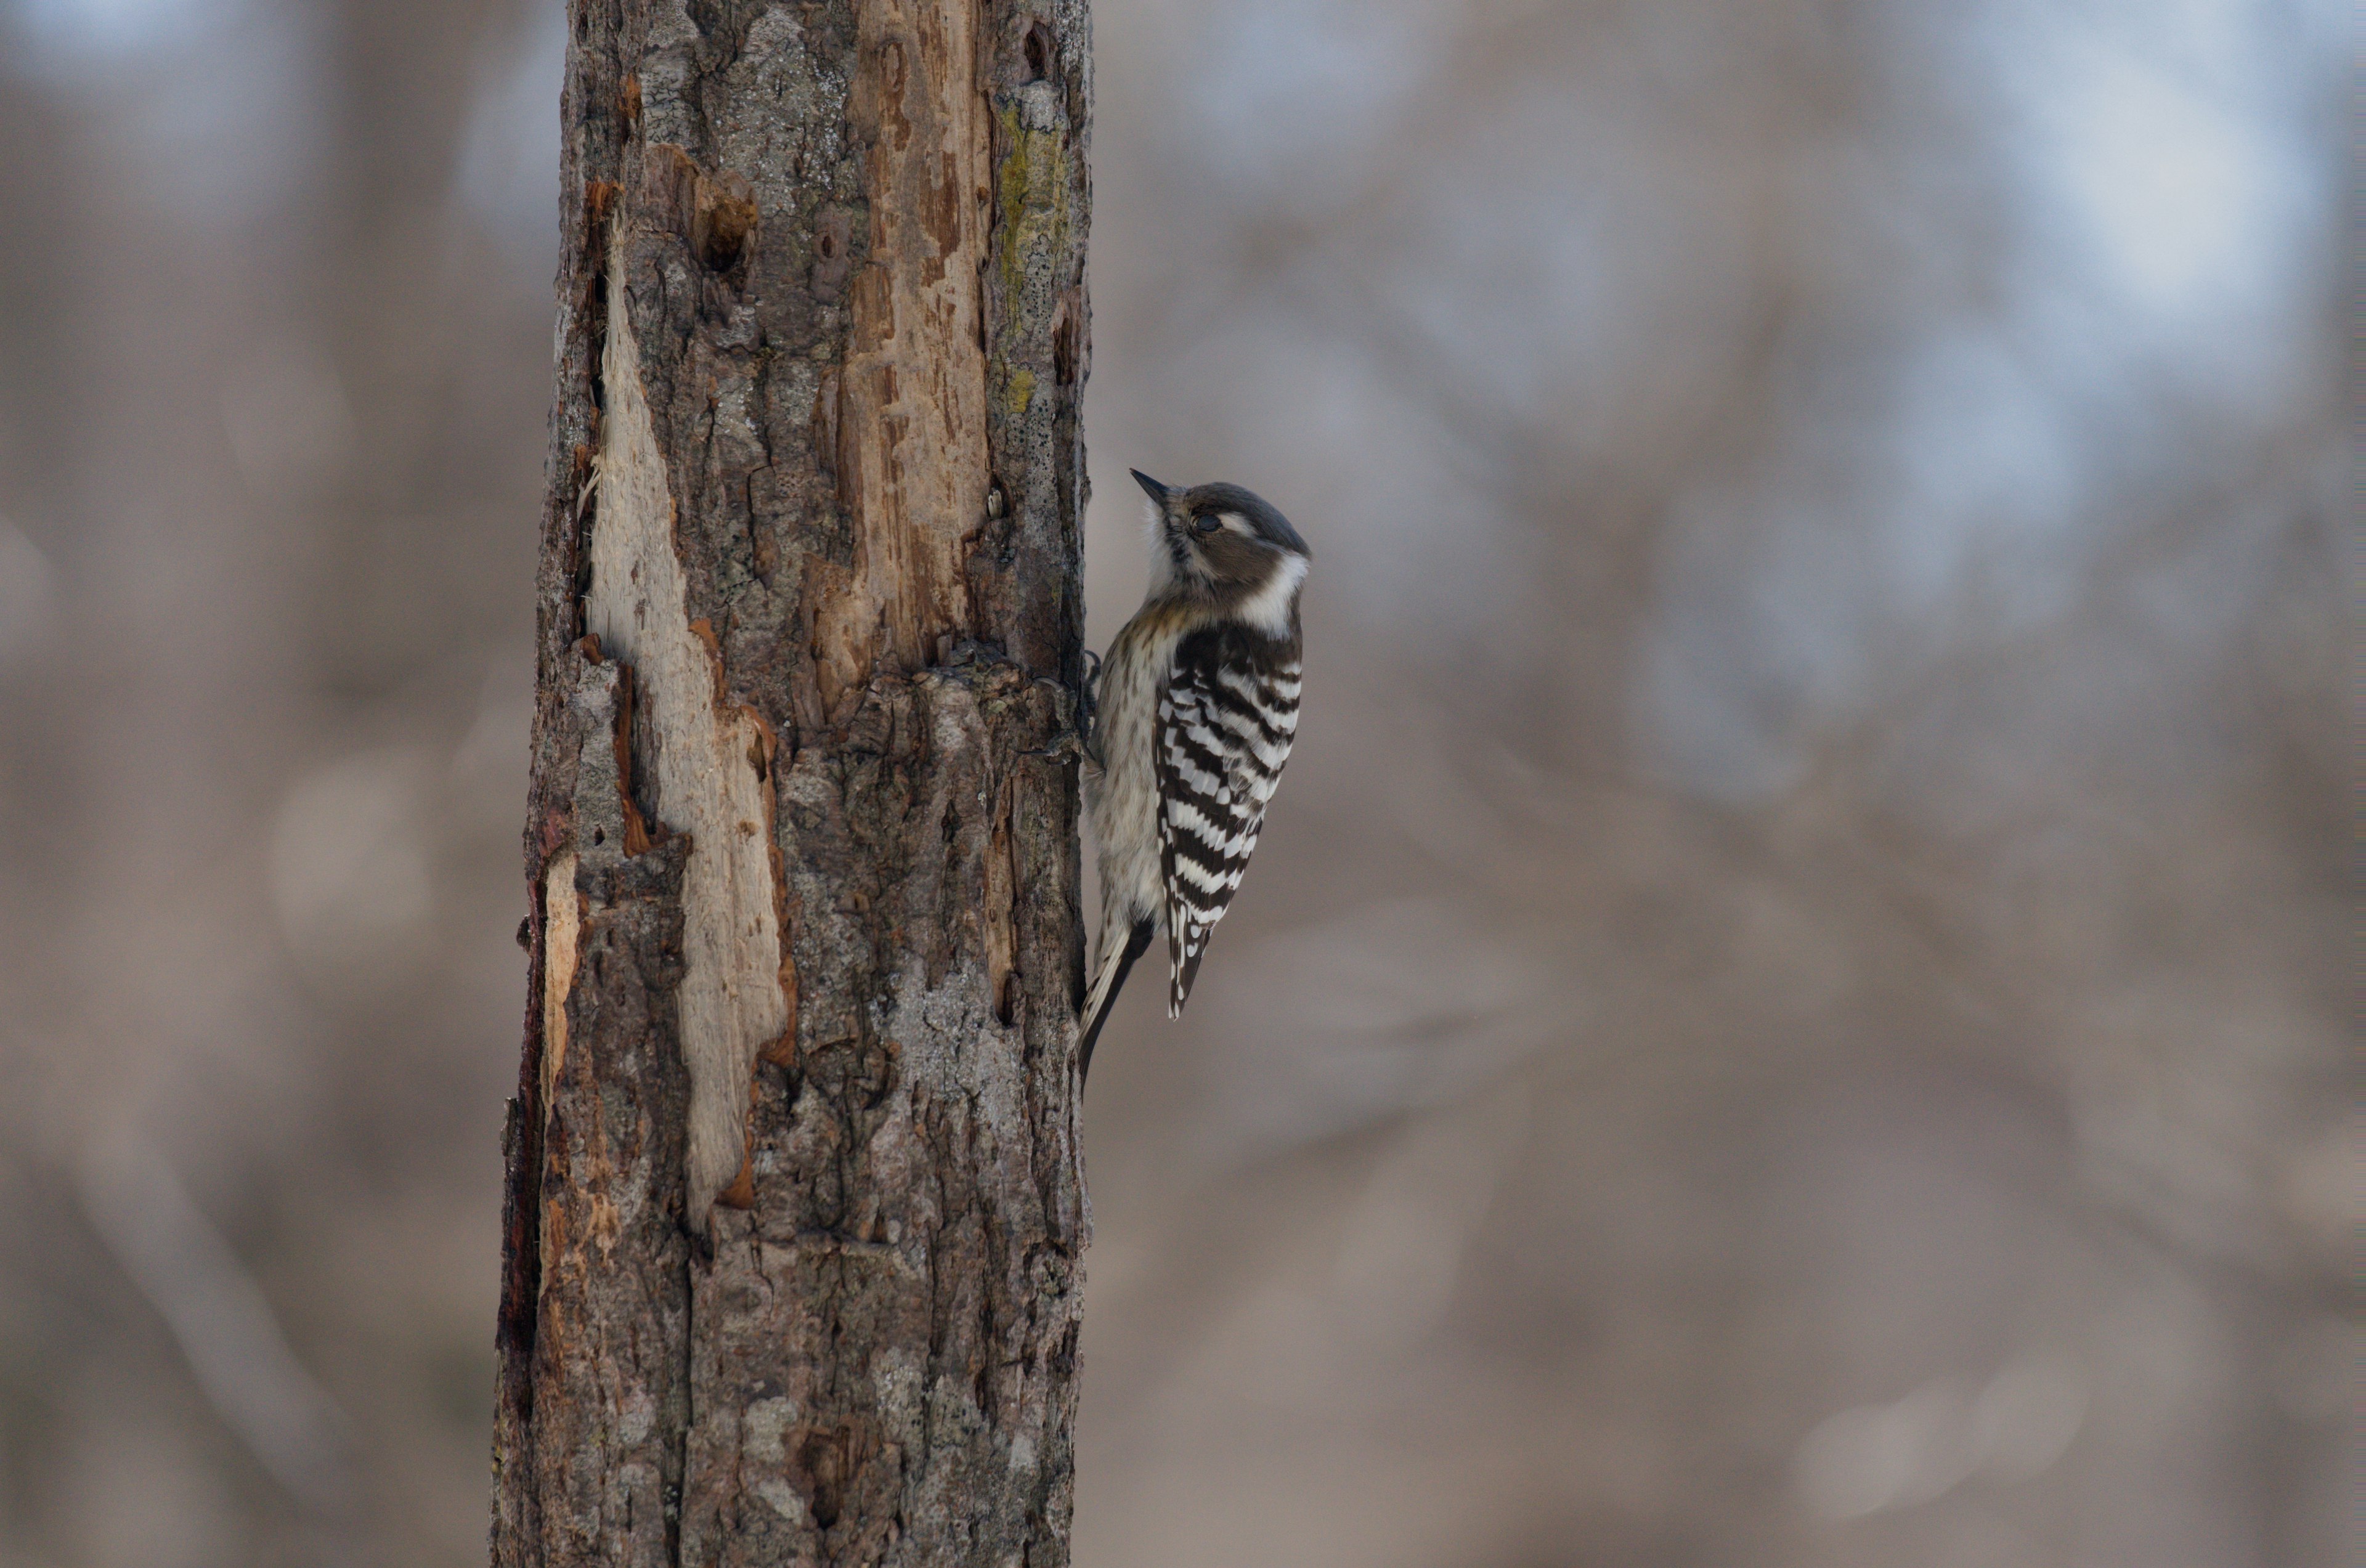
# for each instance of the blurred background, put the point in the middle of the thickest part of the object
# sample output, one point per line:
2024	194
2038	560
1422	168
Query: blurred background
1792	1010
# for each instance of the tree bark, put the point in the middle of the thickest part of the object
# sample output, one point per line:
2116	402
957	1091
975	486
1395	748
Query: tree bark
795	1221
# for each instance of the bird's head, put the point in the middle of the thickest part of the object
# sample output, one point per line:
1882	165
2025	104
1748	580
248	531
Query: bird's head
1223	544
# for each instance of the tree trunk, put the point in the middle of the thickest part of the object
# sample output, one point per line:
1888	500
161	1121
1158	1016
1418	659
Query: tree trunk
794	1223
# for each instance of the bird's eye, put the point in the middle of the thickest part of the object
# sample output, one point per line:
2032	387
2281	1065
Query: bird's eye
1207	522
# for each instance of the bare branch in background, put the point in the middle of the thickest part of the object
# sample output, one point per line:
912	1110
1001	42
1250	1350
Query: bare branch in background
223	1323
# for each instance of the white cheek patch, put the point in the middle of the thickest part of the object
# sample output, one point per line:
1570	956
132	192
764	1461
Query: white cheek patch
1268	609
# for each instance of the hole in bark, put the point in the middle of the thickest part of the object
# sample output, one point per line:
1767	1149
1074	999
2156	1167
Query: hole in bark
827	246
823	1458
598	311
723	234
723	218
599	835
1038	49
1068	348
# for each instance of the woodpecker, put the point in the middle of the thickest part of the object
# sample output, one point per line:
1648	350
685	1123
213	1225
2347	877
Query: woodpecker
1196	705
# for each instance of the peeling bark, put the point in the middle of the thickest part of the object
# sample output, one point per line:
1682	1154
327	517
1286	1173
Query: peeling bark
794	1222
710	779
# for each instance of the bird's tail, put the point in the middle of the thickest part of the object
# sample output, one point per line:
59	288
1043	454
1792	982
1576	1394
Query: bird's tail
1108	980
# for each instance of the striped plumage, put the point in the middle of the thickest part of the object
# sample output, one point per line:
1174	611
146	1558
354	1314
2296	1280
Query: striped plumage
1225	721
1198	707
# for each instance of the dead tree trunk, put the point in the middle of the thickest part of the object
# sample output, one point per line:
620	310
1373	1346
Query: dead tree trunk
795	1221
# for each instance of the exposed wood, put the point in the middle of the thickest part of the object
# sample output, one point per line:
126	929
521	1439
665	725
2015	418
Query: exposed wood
711	774
795	1229
911	391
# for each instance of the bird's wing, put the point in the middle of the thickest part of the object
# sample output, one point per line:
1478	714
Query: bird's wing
1225	724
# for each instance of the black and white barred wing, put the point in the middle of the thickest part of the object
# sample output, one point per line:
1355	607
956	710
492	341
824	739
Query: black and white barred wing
1224	731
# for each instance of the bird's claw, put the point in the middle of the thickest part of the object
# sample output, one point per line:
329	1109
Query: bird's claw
1088	709
1067	746
1079	741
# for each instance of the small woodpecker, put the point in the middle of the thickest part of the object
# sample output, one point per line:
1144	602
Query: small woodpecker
1197	706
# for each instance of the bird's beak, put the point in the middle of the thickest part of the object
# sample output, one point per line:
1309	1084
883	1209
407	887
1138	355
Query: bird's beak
1150	487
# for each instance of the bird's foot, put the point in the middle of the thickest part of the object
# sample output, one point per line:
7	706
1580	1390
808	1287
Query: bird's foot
1079	741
